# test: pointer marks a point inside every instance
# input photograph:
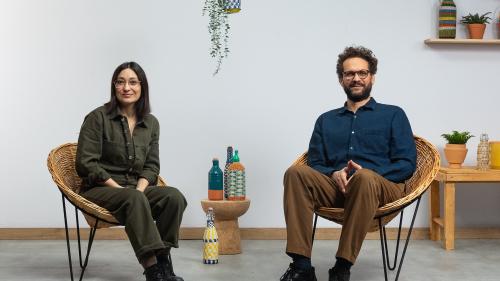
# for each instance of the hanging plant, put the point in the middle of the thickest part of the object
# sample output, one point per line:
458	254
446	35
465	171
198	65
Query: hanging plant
218	27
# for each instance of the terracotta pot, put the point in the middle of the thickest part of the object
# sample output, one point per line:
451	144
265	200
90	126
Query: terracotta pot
476	30
455	155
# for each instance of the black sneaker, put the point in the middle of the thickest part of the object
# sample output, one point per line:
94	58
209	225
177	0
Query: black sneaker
336	274
154	273
165	263
295	274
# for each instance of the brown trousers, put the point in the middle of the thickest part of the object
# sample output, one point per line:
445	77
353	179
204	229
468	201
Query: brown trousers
307	189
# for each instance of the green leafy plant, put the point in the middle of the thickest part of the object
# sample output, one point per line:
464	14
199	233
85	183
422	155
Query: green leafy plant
218	27
457	137
476	18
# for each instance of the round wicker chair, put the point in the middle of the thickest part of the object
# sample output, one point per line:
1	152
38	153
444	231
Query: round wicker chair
428	163
61	164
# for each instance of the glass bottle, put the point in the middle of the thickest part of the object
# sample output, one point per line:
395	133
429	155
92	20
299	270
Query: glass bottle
483	153
210	240
447	19
215	182
236	179
229	160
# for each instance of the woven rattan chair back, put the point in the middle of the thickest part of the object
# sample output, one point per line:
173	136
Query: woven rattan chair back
428	163
61	164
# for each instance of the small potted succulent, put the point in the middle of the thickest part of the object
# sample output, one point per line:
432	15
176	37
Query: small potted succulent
476	24
456	150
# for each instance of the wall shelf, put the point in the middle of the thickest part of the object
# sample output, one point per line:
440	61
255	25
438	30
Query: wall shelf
432	41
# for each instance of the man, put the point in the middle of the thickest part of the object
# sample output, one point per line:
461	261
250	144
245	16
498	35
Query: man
359	155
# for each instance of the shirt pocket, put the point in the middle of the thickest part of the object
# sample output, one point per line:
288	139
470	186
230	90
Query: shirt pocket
374	141
114	153
141	152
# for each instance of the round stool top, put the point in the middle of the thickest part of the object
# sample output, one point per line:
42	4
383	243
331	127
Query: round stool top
226	209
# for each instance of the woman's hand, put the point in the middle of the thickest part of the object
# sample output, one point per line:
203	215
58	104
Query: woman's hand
112	183
142	183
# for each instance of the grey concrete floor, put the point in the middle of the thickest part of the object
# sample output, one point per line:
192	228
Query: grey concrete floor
261	260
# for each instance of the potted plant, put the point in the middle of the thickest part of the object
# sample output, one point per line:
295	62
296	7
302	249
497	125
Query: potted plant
218	27
455	150
476	24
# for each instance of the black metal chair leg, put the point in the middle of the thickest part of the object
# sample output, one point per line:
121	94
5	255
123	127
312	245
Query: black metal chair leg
67	238
384	244
397	244
93	230
314	227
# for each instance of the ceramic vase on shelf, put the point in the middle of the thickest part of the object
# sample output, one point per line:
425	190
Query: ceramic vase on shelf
229	160
215	182
495	155
210	240
447	20
236	179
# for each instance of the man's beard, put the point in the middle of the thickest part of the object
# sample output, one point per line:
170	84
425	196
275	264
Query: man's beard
358	97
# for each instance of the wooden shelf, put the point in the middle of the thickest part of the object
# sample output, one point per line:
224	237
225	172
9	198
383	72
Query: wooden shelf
432	41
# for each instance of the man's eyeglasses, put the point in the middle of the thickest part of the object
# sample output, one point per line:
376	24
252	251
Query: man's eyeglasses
362	74
131	83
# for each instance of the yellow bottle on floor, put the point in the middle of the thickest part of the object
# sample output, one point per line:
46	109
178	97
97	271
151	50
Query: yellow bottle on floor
210	240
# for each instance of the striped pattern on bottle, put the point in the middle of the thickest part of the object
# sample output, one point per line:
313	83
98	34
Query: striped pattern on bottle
447	19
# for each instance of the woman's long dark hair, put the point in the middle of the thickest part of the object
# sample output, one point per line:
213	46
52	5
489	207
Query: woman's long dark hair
142	106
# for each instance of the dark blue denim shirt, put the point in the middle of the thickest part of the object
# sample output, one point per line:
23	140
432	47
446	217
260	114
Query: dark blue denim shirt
377	137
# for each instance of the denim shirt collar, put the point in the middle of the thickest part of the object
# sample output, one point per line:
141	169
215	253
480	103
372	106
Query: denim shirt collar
371	104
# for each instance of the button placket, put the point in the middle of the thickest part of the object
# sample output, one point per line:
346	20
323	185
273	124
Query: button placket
129	144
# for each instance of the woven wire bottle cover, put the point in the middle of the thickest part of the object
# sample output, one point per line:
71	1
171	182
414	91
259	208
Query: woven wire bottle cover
210	240
232	6
447	19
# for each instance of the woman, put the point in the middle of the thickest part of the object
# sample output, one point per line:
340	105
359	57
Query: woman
118	160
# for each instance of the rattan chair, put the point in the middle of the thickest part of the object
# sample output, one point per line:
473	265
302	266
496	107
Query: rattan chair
428	163
61	164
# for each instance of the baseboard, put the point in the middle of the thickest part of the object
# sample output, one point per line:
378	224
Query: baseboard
193	233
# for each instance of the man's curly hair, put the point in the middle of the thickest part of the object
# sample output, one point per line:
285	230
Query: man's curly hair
356	52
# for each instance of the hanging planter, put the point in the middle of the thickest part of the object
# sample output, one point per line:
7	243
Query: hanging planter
232	6
218	27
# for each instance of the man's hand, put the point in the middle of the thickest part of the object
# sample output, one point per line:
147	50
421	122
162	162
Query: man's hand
340	176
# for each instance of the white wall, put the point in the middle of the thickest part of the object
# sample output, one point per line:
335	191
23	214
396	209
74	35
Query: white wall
57	58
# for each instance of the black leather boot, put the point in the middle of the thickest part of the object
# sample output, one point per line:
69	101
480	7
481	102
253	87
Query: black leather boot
295	274
165	262
154	273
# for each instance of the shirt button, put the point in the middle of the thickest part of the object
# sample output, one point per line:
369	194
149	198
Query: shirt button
352	132
355	116
130	170
128	143
131	157
123	119
350	148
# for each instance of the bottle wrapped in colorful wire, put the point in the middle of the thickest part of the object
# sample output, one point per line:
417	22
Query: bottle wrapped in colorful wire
229	160
236	179
210	240
447	19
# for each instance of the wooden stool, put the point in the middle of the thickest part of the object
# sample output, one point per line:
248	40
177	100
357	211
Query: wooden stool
226	222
